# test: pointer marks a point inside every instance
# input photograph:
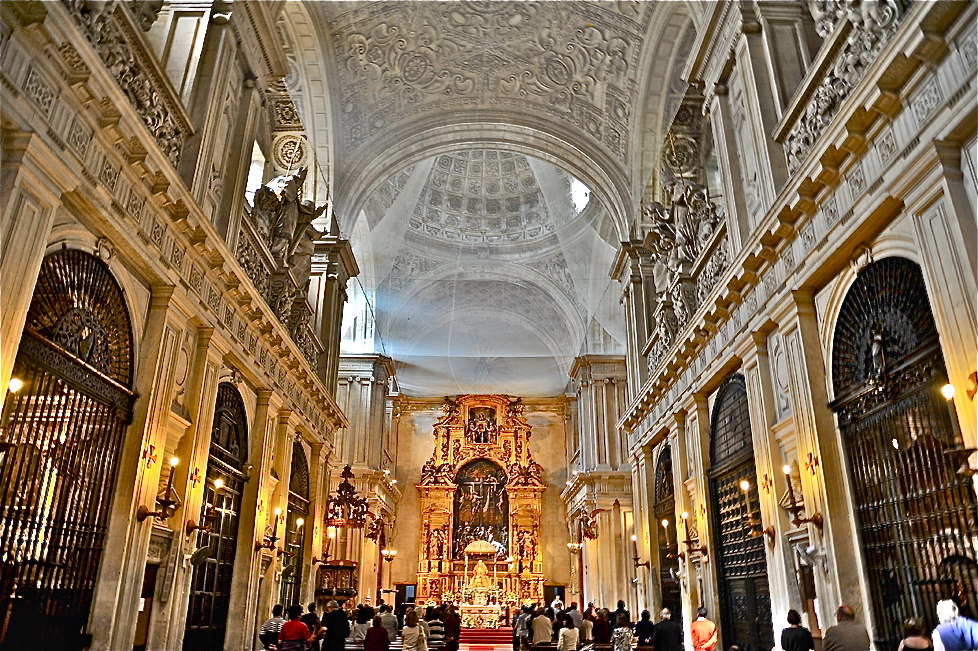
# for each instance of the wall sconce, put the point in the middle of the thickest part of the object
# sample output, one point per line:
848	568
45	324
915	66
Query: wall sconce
209	515
295	540
691	545
959	455
635	558
268	541
167	503
575	547
669	545
794	509
388	554
753	525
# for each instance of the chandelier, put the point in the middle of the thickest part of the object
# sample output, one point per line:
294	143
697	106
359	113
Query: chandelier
346	508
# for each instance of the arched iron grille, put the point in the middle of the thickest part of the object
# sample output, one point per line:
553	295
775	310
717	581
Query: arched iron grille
290	588
745	599
210	585
665	510
59	450
916	515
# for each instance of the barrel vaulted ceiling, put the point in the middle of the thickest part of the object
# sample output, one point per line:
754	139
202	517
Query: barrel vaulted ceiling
453	135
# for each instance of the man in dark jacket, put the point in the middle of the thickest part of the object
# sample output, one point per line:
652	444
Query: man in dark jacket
311	619
645	629
621	611
337	627
668	633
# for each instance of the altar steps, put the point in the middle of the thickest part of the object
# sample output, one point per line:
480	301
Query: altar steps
487	639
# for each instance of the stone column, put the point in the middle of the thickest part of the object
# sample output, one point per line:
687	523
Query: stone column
194	446
333	265
28	209
247	580
731	172
821	455
142	462
769	478
632	270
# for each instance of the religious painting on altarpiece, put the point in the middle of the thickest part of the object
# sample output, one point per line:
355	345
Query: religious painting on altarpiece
481	507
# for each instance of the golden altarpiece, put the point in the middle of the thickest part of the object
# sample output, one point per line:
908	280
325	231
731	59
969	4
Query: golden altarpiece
481	495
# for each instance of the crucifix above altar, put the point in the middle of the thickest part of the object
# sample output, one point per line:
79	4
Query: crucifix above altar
481	496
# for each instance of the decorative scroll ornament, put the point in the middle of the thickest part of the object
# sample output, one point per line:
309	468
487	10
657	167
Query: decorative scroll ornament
873	24
122	60
346	508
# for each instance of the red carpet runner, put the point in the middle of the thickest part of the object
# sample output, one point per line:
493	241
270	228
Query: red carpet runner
485	639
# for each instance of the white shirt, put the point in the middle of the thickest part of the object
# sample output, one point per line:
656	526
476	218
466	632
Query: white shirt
414	638
567	641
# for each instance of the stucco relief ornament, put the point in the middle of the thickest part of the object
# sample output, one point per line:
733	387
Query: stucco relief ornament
676	235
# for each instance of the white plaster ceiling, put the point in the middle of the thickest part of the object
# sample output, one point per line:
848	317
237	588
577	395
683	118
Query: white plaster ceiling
478	275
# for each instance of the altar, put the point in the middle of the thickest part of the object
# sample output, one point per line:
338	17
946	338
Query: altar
481	494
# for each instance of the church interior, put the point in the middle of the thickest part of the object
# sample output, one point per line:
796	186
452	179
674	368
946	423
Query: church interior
489	304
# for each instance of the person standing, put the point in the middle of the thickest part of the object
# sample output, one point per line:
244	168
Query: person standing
453	628
568	637
915	636
389	621
621	637
616	616
269	630
601	633
377	638
954	633
703	632
575	614
668	633
796	637
294	634
436	629
541	628
311	619
645	629
846	635
337	627
412	635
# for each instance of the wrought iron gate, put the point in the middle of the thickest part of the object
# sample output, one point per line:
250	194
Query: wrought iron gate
745	600
914	501
59	450
210	585
290	590
665	511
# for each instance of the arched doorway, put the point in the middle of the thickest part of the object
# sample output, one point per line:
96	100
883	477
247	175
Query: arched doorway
59	451
481	505
290	590
745	599
210	585
915	512
665	512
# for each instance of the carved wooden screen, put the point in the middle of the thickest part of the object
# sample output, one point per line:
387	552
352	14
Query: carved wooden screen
59	451
481	506
210	585
290	590
745	599
665	510
915	511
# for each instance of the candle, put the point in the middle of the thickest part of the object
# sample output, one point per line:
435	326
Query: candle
685	517
745	486
791	491
169	482
278	512
665	529
635	545
465	572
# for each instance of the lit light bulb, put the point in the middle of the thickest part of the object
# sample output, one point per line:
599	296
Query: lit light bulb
15	384
665	523
947	391
277	511
685	515
787	469
218	484
174	461
634	538
300	522
744	485
332	534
